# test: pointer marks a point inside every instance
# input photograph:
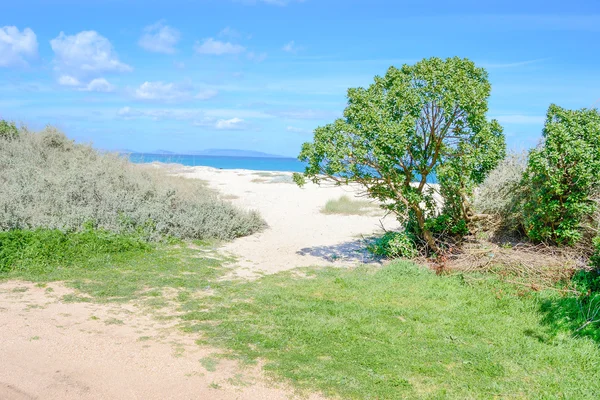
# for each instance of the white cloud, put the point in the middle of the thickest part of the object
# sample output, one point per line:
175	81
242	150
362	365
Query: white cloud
217	47
85	53
200	117
160	38
99	85
230	124
16	46
171	92
520	119
68	80
290	47
160	91
95	85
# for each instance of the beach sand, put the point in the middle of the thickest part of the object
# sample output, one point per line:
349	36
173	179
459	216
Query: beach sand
299	234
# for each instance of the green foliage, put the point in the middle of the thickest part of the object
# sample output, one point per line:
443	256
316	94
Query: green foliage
595	259
43	249
48	181
394	245
8	130
445	225
409	125
561	175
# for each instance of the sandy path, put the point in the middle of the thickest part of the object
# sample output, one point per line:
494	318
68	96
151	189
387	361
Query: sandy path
298	234
56	350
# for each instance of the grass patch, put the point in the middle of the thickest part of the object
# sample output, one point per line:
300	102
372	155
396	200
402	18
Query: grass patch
210	364
109	267
346	206
400	332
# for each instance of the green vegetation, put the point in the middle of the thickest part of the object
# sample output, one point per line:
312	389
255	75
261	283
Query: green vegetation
415	122
109	267
394	245
401	332
561	176
50	182
346	206
8	130
44	250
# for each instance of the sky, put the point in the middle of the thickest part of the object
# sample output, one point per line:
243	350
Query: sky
183	75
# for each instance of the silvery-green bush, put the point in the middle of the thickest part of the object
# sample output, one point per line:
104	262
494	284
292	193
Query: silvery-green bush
500	193
48	181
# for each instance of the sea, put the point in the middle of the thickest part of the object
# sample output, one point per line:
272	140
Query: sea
223	162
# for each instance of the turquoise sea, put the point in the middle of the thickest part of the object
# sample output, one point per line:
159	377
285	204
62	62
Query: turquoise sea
223	162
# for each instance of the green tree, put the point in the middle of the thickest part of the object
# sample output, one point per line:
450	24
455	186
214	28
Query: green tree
413	124
8	130
560	176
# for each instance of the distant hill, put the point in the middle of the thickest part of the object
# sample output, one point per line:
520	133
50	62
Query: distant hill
162	152
233	153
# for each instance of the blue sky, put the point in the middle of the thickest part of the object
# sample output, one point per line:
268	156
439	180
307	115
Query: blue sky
186	75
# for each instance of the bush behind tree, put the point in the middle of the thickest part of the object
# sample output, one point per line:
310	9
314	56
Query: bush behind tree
501	193
561	176
50	182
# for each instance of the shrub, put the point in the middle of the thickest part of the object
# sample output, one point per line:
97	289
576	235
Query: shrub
8	130
394	245
50	182
561	175
445	225
500	193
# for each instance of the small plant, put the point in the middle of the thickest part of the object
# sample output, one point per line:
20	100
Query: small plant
8	130
444	225
346	206
394	245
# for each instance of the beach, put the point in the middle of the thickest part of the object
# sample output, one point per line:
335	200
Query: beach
299	234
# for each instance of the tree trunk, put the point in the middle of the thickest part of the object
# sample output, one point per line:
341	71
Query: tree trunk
426	233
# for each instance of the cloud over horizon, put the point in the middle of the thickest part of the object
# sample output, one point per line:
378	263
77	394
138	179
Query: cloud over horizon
17	47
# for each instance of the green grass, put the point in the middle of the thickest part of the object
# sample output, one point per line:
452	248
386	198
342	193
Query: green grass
109	267
346	206
366	333
399	332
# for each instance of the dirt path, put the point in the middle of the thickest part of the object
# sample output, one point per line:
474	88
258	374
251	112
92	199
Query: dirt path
56	350
298	234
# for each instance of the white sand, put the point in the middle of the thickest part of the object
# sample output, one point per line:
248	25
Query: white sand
298	234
